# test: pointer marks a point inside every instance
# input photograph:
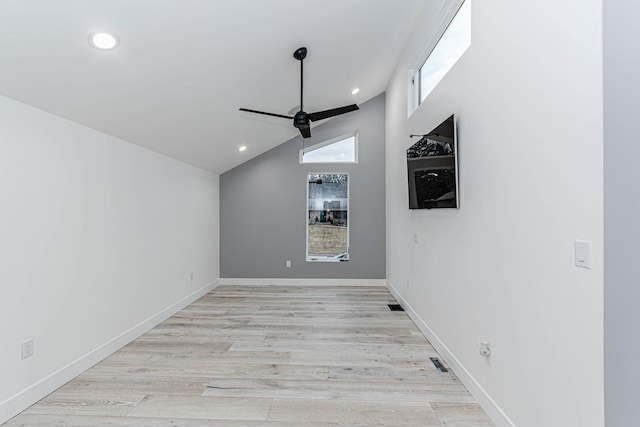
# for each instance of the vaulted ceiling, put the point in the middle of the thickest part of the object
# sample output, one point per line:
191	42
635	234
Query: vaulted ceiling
184	67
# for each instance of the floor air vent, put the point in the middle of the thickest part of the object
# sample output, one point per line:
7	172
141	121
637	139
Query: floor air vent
438	364
395	307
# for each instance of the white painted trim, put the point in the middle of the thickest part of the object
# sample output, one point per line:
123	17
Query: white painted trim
27	397
494	412
303	282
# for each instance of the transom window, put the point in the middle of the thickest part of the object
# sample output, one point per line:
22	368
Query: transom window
342	149
453	42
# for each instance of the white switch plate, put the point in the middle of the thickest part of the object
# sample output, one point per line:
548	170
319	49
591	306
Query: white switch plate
583	253
288	264
416	238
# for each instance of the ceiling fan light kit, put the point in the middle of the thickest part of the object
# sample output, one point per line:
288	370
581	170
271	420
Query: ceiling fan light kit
302	119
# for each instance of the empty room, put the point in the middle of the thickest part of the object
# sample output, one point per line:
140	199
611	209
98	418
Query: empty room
337	213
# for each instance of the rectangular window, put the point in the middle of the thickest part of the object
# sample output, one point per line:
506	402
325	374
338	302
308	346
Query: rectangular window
343	149
328	217
454	42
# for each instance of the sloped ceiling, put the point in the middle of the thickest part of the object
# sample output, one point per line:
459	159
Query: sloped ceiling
184	67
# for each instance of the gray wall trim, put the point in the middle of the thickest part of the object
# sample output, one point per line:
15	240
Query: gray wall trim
263	206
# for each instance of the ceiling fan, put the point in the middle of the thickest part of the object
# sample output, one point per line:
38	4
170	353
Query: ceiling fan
302	119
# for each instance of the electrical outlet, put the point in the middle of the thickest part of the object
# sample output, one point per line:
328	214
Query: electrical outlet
485	349
288	264
191	276
27	349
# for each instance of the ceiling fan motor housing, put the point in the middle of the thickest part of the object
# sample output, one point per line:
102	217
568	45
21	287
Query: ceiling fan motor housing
301	119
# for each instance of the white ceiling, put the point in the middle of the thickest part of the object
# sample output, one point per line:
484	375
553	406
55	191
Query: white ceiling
184	67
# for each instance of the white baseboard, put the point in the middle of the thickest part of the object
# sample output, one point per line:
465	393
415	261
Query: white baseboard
22	400
303	282
494	412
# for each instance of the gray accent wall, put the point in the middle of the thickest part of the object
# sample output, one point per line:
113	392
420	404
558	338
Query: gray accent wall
263	206
621	213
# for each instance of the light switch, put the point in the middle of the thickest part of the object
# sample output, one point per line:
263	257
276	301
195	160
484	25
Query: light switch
416	238
583	253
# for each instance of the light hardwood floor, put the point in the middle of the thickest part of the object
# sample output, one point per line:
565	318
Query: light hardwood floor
269	356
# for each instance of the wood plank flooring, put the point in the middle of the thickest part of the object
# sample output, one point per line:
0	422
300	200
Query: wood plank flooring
267	356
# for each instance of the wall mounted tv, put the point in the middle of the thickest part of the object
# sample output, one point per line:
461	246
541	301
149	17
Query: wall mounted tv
432	168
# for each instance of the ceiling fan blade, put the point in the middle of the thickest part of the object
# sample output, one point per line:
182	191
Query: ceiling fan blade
266	114
320	115
305	131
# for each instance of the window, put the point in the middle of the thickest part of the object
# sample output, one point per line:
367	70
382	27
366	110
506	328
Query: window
455	40
328	217
343	149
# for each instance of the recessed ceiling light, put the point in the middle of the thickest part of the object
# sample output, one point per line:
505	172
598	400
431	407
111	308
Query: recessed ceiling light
242	148
104	41
355	90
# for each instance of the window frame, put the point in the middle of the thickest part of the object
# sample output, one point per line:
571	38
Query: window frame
414	92
348	225
328	142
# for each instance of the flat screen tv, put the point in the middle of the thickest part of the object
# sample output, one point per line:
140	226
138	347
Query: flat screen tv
432	168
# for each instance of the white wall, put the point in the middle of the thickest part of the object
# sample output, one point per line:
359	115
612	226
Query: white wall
528	100
97	237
